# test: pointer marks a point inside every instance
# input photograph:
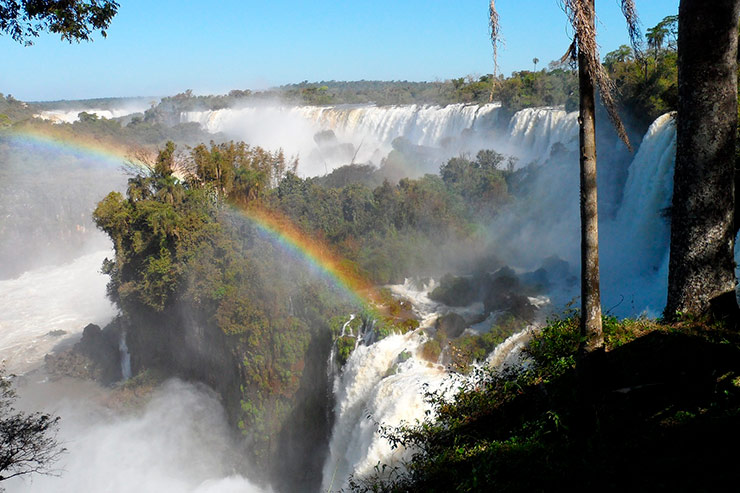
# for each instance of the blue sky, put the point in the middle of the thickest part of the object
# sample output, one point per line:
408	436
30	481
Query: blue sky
161	47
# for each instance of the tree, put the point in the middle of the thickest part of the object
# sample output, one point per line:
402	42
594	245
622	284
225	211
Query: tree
74	20
591	73
655	37
591	331
701	277
27	441
664	32
535	61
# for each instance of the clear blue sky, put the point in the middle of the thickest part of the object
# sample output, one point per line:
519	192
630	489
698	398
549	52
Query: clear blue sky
161	47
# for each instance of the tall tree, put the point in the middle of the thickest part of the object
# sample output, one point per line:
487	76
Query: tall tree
655	37
591	73
592	337
701	277
74	20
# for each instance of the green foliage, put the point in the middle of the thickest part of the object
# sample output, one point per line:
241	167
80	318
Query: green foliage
394	231
12	110
344	334
430	350
499	427
521	90
179	250
647	85
530	89
74	20
345	346
28	442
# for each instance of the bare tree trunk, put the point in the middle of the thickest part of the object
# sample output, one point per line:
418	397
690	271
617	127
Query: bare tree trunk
592	337
701	275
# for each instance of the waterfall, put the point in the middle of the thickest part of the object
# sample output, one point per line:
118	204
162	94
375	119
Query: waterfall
125	357
380	383
635	253
40	307
72	115
364	133
385	382
533	132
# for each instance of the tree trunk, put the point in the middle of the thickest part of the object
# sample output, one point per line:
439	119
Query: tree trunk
701	278
592	337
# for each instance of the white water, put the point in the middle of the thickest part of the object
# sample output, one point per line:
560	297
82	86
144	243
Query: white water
125	357
635	255
375	387
633	240
533	132
71	116
385	382
370	130
179	442
62	298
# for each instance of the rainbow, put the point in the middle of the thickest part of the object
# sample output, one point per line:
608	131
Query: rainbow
50	139
342	273
277	227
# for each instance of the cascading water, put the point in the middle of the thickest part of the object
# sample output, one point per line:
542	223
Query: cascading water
72	115
635	255
370	130
380	383
534	131
385	382
41	307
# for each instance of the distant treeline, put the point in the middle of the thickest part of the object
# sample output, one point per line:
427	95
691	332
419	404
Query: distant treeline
646	85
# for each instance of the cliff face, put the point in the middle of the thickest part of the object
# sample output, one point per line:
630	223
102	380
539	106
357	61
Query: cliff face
178	342
286	440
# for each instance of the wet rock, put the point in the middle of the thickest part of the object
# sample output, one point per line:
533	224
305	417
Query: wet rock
73	364
461	291
449	326
507	294
95	357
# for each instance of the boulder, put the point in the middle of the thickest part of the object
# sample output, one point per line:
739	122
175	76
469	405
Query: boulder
450	326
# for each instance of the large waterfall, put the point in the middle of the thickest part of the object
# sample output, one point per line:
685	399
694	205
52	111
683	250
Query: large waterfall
71	115
635	252
363	133
381	382
384	382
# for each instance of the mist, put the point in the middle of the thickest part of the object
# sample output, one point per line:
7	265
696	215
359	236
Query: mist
47	196
543	223
178	441
359	133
